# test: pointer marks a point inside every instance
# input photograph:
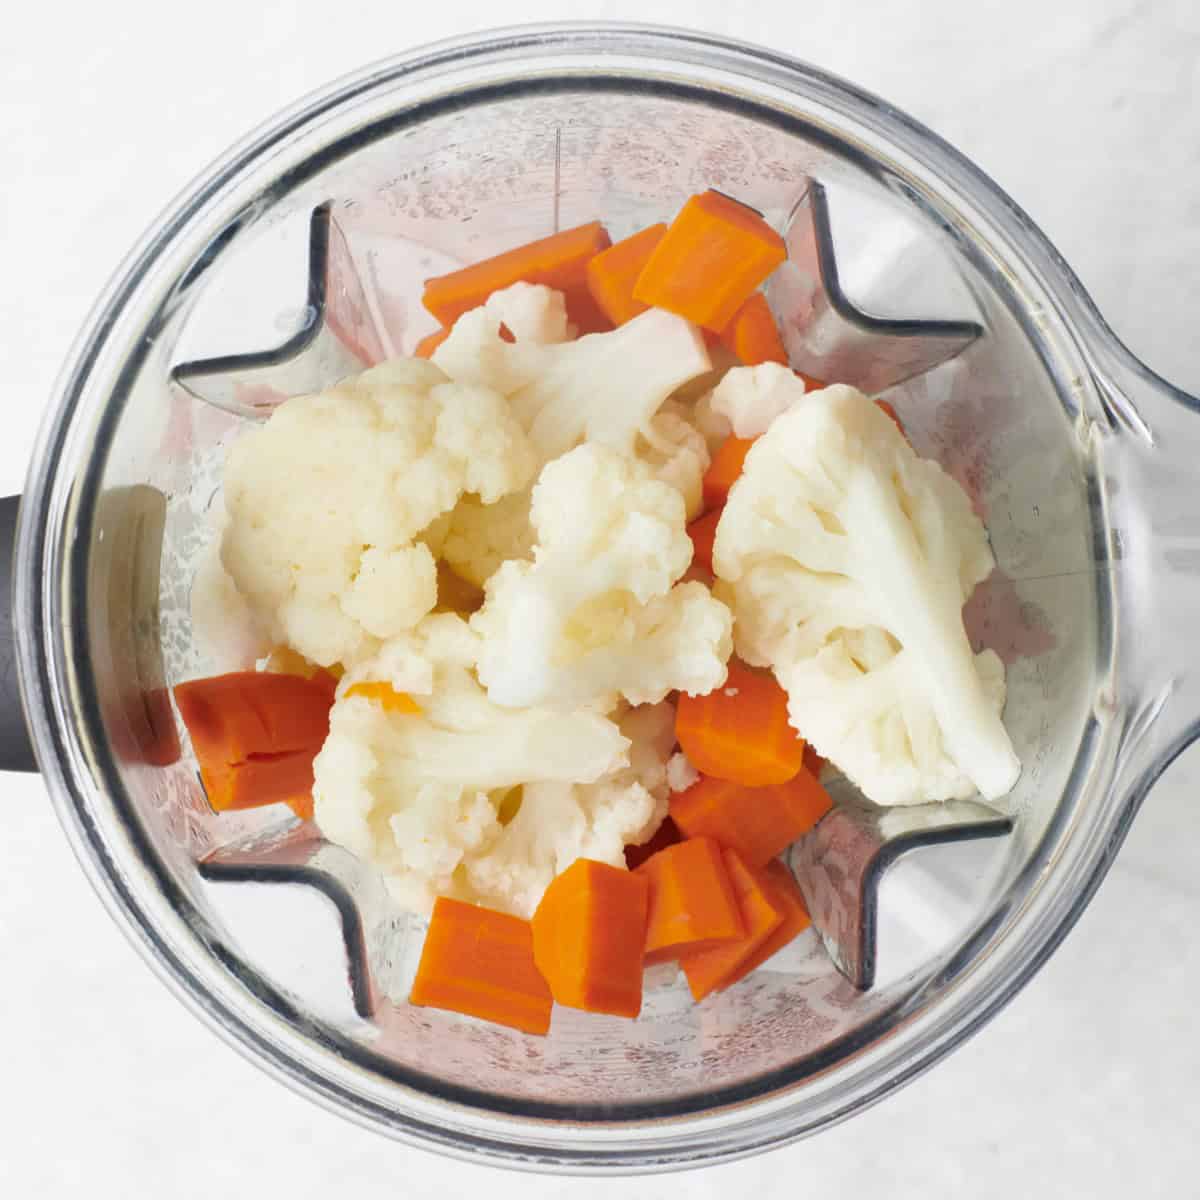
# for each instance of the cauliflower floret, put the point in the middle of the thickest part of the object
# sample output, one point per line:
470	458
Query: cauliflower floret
680	773
594	615
750	398
419	794
847	560
714	427
327	499
483	536
601	388
557	823
676	453
475	351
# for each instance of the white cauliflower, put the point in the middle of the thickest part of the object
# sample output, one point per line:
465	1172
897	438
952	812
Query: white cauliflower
676	453
603	388
327	500
680	773
750	398
557	823
418	795
595	616
847	560
483	536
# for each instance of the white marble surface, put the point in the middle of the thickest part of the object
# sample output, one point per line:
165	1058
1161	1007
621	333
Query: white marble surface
1085	110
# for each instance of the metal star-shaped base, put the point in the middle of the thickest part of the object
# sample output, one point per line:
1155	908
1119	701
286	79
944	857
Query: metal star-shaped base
338	335
841	863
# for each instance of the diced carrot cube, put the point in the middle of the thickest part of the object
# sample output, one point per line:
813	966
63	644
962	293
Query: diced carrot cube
430	342
719	966
231	717
740	730
788	900
753	336
480	962
589	933
725	470
757	822
385	696
265	779
558	261
665	835
691	902
714	255
612	274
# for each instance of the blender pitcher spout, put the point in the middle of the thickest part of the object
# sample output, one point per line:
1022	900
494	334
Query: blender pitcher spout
1147	436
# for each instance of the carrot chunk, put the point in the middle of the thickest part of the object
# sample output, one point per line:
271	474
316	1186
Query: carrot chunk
725	469
430	342
714	255
740	731
255	734
665	835
788	900
589	932
692	905
480	962
613	272
385	696
757	822
232	717
302	806
753	336
719	966
558	261
703	532
263	779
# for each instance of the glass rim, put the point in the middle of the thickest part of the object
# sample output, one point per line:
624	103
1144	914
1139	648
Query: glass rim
50	608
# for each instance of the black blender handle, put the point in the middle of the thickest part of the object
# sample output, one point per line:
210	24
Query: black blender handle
16	747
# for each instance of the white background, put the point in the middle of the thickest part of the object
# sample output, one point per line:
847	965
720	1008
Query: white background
1087	111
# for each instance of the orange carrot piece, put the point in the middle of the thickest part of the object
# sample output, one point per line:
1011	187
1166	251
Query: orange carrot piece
740	731
302	806
385	696
558	261
255	734
757	822
719	966
714	255
811	383
430	342
753	336
788	900
232	717
613	272
667	834
725	469
589	932
583	312
692	905
703	532
480	962
264	779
